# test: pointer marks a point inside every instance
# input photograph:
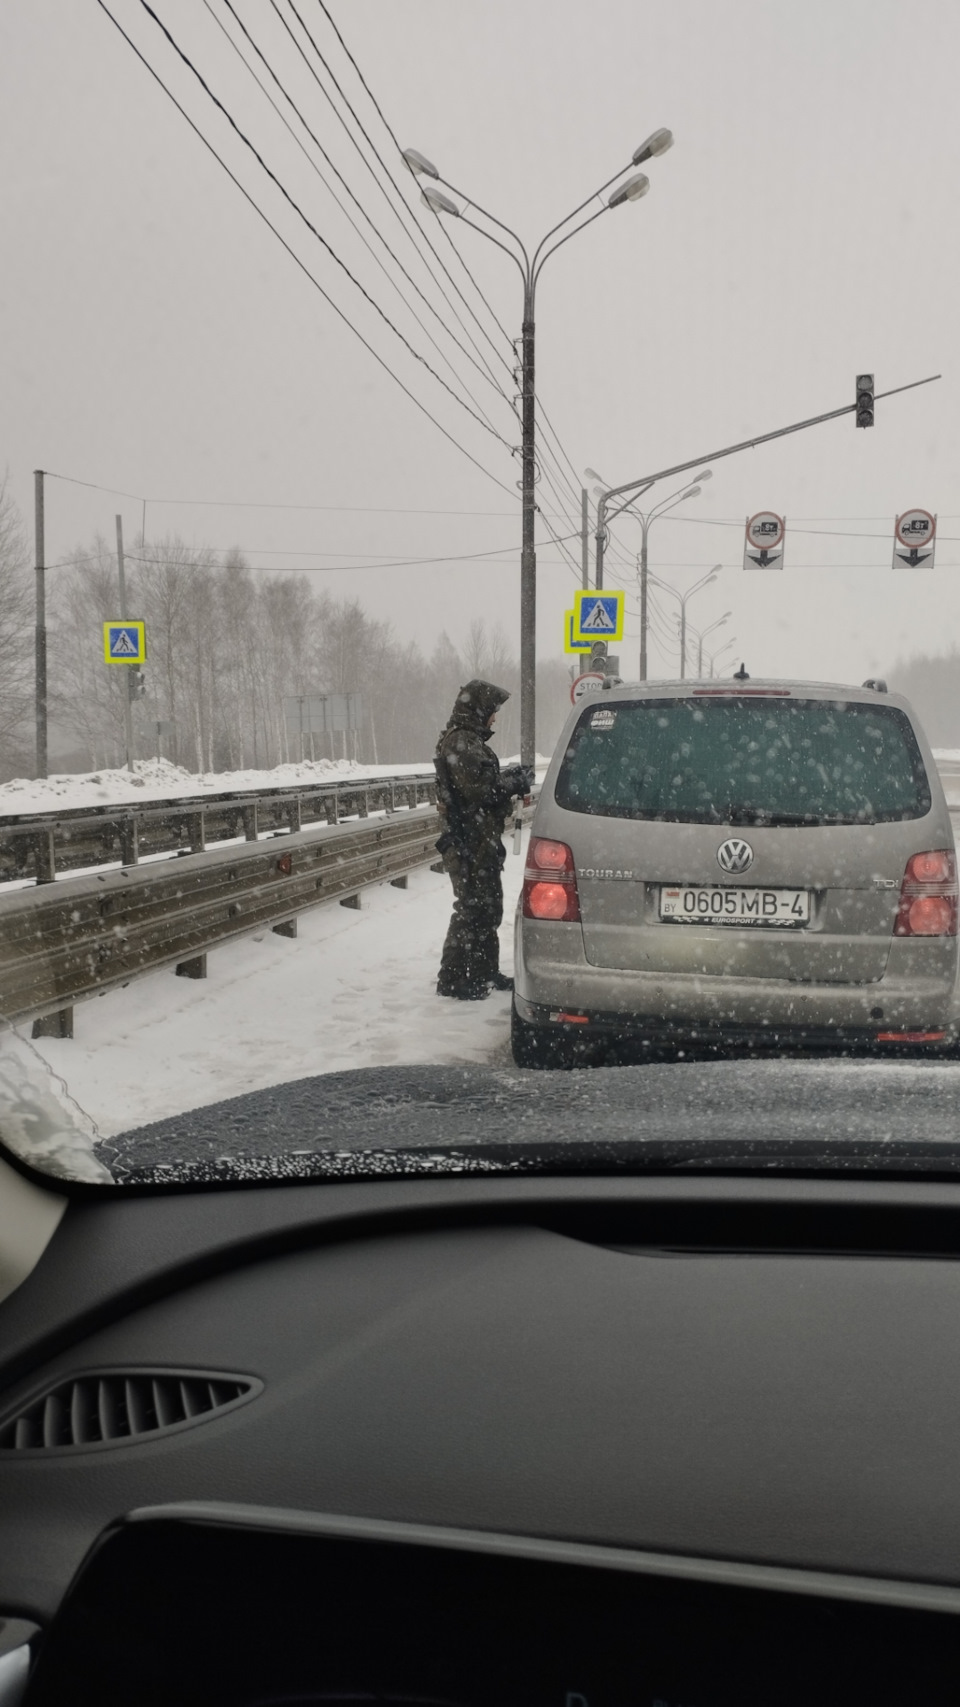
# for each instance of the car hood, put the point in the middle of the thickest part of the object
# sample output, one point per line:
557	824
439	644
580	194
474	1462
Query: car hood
754	1116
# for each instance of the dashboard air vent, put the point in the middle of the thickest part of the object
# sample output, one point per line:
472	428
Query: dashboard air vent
112	1406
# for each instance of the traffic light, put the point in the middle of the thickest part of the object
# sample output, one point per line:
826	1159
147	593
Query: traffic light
136	683
598	657
864	399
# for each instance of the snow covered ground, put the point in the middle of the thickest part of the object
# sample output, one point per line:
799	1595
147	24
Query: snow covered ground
354	989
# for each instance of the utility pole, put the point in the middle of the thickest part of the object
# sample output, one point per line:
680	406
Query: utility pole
40	676
584	537
128	681
600	540
643	601
528	554
530	269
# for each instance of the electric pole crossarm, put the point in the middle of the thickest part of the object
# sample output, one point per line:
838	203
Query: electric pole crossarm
761	439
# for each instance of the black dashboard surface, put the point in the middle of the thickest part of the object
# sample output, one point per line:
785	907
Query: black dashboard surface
239	1606
740	1369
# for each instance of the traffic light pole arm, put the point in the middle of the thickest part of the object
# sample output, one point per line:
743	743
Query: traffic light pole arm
761	439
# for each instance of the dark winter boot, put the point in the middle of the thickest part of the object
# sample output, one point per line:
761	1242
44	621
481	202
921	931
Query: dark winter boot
464	992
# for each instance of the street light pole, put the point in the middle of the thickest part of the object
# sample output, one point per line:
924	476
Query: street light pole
713	656
530	269
646	521
528	550
682	599
701	637
40	675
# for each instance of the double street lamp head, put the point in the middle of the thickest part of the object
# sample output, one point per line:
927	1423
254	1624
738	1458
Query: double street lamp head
438	202
418	163
657	143
631	191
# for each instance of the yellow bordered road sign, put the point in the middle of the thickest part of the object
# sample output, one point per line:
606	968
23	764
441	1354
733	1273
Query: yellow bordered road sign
569	644
125	641
598	615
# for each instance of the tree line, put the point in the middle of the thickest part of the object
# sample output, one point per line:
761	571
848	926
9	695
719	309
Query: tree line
226	645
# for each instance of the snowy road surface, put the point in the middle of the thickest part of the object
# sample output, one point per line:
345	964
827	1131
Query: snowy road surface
354	989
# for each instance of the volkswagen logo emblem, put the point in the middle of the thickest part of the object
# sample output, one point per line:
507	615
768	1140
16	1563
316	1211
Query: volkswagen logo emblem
734	856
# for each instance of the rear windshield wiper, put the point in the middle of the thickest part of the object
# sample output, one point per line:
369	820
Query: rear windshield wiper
757	815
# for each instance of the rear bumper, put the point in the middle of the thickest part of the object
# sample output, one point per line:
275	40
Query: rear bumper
916	994
657	1032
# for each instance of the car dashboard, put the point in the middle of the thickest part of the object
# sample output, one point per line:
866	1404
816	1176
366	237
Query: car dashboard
665	1441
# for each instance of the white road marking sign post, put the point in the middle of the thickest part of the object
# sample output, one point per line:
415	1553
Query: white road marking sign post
914	540
763	540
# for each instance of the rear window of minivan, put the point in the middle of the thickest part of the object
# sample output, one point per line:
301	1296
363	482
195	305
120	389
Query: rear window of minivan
745	760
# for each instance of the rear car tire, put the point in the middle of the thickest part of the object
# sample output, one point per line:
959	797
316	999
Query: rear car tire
537	1047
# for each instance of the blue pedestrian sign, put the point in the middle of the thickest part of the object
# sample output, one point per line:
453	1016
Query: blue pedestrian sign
569	643
598	616
125	642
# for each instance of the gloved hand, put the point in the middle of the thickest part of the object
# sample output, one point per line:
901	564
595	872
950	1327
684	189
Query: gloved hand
529	777
514	780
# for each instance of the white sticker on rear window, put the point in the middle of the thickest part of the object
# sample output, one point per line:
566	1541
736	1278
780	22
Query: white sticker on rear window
603	720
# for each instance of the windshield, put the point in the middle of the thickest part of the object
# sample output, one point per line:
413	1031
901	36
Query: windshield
745	761
478	542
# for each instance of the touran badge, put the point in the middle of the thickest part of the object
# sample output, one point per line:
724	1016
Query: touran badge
734	856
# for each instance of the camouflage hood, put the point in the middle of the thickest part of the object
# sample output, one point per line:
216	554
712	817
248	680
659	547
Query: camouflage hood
474	704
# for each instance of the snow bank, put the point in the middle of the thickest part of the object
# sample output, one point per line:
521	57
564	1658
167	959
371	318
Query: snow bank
158	779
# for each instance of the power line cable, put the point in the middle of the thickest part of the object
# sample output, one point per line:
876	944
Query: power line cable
488	552
450	240
188	62
329	187
393	137
404	204
249	504
569	561
301	264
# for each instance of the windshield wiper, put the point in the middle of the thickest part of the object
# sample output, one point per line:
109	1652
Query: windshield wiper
760	815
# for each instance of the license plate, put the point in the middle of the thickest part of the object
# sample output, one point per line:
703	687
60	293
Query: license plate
688	905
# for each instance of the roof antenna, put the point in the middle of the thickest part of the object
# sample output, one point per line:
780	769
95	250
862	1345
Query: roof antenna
741	674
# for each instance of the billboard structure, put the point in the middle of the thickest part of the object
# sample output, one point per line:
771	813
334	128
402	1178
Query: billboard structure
323	714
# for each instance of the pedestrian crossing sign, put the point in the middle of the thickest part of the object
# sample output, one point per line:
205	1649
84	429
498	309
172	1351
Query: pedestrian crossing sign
125	642
569	644
598	615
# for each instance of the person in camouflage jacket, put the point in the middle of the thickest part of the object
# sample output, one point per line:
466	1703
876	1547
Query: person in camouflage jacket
473	796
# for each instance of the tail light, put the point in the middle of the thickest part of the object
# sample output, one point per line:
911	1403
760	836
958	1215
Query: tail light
928	895
550	882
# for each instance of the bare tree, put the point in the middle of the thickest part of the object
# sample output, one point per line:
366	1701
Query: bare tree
226	647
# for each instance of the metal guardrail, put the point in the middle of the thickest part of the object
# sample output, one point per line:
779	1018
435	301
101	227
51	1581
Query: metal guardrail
40	845
61	943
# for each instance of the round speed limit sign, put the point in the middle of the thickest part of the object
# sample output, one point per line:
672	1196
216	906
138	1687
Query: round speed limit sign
592	682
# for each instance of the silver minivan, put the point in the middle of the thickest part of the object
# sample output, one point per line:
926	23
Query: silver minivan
741	861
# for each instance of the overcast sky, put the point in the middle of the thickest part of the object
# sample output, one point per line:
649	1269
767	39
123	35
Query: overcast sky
158	338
